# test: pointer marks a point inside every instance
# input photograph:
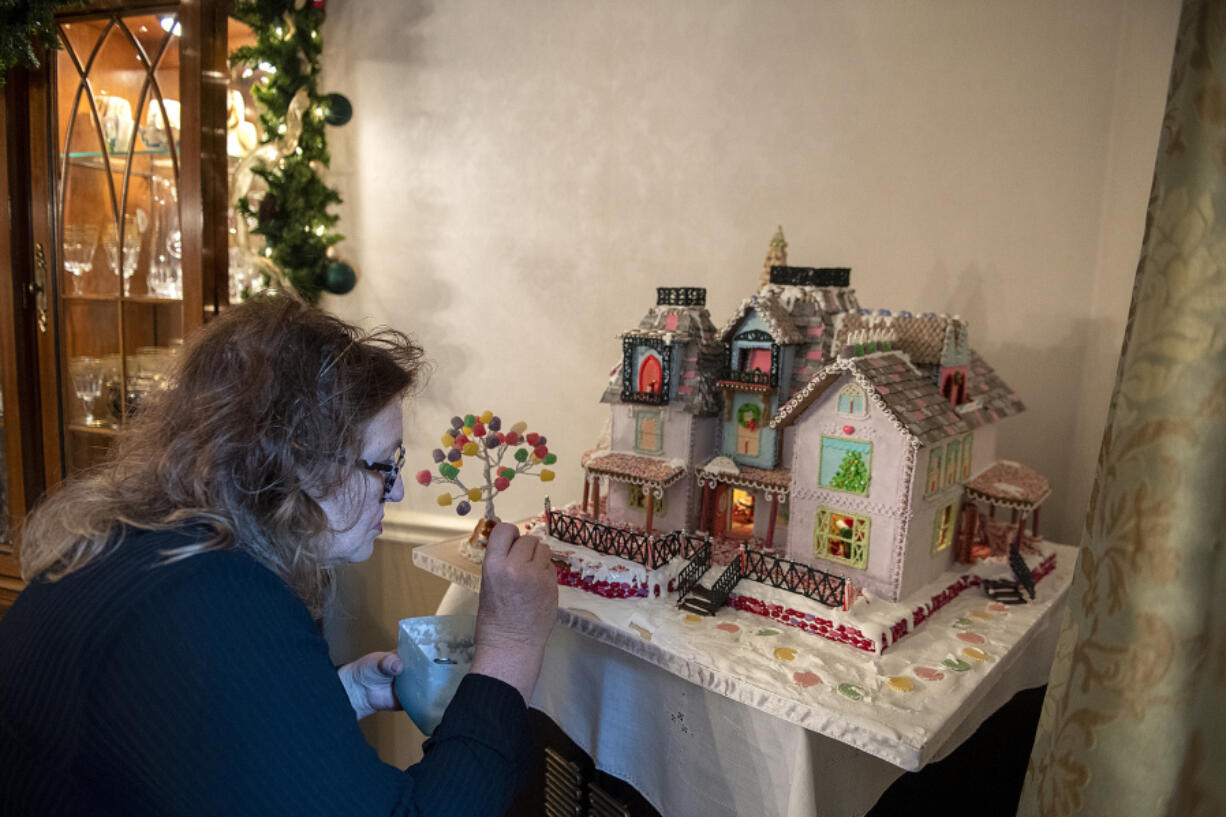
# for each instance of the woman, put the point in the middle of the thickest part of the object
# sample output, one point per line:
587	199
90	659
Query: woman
165	657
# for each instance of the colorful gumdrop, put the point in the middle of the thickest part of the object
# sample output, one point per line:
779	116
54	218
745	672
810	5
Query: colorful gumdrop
540	452
532	437
502	483
453	455
521	454
550	459
470	448
492	441
520	427
486	416
424	477
456	422
444	500
547	475
495	423
438	455
474	494
463	508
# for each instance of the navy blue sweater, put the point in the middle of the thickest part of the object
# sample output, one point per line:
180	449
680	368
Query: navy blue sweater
132	687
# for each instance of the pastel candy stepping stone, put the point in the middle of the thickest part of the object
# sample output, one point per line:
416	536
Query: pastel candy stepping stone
785	653
856	693
971	638
982	616
806	679
929	674
956	664
978	655
768	632
644	633
964	623
691	618
997	607
900	683
729	627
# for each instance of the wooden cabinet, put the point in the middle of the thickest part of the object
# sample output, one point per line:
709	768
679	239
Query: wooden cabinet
114	176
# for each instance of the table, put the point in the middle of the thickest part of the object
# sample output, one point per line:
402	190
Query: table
699	734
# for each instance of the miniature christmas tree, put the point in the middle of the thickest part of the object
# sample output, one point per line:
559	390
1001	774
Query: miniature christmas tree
852	474
481	438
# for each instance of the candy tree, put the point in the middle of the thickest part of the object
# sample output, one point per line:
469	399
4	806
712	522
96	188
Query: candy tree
480	438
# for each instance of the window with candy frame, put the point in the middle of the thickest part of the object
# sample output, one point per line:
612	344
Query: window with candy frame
841	537
648	431
636	498
951	463
845	465
933	483
852	401
943	528
966	455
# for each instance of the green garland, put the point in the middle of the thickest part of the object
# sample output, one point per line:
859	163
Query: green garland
293	215
26	28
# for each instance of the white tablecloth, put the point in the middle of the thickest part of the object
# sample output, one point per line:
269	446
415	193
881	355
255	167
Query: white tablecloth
692	751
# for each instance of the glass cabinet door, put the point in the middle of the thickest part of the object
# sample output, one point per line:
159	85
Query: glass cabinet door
121	317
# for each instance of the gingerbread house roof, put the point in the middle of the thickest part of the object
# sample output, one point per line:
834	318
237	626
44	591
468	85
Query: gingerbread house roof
1010	484
922	337
778	322
909	395
725	470
634	468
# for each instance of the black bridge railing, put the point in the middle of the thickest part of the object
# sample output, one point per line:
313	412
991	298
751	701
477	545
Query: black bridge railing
724	584
700	562
795	577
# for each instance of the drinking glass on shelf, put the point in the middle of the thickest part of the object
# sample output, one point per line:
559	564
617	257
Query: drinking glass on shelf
86	375
80	240
166	257
132	237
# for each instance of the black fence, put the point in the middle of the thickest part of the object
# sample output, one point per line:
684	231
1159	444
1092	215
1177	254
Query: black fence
655	552
795	577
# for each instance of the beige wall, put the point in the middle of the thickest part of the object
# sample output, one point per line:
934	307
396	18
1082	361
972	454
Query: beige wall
519	177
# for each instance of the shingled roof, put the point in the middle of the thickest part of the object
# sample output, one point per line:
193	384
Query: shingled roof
922	337
909	395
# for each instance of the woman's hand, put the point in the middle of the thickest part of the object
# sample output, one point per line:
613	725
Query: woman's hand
368	682
517	608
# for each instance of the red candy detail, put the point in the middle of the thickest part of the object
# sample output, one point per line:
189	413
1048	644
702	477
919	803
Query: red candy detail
424	477
512	438
502	483
849	429
478	429
533	438
540	451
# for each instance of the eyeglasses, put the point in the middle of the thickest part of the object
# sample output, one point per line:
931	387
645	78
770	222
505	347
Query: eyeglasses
389	470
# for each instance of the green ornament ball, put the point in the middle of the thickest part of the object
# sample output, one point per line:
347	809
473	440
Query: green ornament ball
340	109
339	277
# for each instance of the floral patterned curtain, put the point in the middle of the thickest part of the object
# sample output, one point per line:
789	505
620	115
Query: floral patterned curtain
1134	722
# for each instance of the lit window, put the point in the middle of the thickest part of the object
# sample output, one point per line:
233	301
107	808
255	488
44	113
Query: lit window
966	456
943	535
841	537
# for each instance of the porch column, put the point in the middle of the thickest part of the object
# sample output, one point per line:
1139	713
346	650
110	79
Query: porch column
708	508
650	498
587	489
596	497
1034	524
770	524
966	539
